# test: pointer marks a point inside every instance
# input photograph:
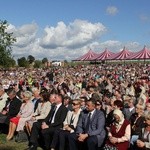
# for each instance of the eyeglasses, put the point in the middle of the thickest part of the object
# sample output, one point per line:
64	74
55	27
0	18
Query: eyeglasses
75	104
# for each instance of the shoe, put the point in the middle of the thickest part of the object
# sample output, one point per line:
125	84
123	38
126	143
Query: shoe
9	138
32	147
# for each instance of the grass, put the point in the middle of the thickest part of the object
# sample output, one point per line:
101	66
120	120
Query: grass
12	145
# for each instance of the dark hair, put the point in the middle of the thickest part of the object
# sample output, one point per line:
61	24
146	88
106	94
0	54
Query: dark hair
45	95
67	97
11	90
96	96
106	93
92	100
61	96
84	98
118	103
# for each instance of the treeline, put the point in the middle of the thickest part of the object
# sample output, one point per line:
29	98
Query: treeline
7	39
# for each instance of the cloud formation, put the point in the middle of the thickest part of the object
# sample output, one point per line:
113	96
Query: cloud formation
112	10
62	42
75	35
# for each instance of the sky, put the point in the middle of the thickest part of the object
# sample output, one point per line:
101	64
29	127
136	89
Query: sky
67	29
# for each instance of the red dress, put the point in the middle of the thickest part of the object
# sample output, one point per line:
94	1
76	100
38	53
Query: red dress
15	120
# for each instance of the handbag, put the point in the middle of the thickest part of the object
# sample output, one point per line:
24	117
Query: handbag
109	147
21	137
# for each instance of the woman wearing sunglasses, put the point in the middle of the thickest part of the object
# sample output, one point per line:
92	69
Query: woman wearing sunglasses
69	126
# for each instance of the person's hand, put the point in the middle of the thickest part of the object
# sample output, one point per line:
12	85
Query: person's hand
140	143
4	112
68	129
65	127
18	116
82	137
44	125
33	118
113	140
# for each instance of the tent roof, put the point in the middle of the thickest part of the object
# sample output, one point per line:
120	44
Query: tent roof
143	54
121	55
87	57
105	54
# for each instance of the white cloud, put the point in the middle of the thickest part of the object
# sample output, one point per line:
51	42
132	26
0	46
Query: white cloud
60	42
75	35
112	10
25	35
63	42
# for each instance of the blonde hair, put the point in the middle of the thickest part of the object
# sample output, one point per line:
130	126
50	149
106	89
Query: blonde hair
140	106
147	116
77	100
27	94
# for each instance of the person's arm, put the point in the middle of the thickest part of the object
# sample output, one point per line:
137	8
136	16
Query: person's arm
66	122
79	127
126	136
100	125
147	145
29	109
14	107
45	111
142	144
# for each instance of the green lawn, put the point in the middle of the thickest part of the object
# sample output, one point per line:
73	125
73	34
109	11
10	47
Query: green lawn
12	145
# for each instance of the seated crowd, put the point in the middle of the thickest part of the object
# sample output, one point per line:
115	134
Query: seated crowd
102	115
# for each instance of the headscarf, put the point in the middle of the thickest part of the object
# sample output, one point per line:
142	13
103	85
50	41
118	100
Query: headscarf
119	113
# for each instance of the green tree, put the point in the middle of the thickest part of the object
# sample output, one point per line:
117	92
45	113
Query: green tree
44	60
6	42
30	59
22	62
37	64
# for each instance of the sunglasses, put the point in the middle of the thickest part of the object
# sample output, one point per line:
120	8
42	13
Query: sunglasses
75	104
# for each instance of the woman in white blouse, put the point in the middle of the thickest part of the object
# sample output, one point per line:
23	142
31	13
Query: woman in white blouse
41	112
69	126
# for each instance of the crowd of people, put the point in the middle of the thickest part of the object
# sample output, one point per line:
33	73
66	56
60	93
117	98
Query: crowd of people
93	107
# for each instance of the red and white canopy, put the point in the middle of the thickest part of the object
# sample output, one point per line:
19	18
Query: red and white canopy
122	55
105	54
87	57
143	54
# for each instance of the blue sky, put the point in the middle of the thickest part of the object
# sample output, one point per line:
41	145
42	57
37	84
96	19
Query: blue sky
65	29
